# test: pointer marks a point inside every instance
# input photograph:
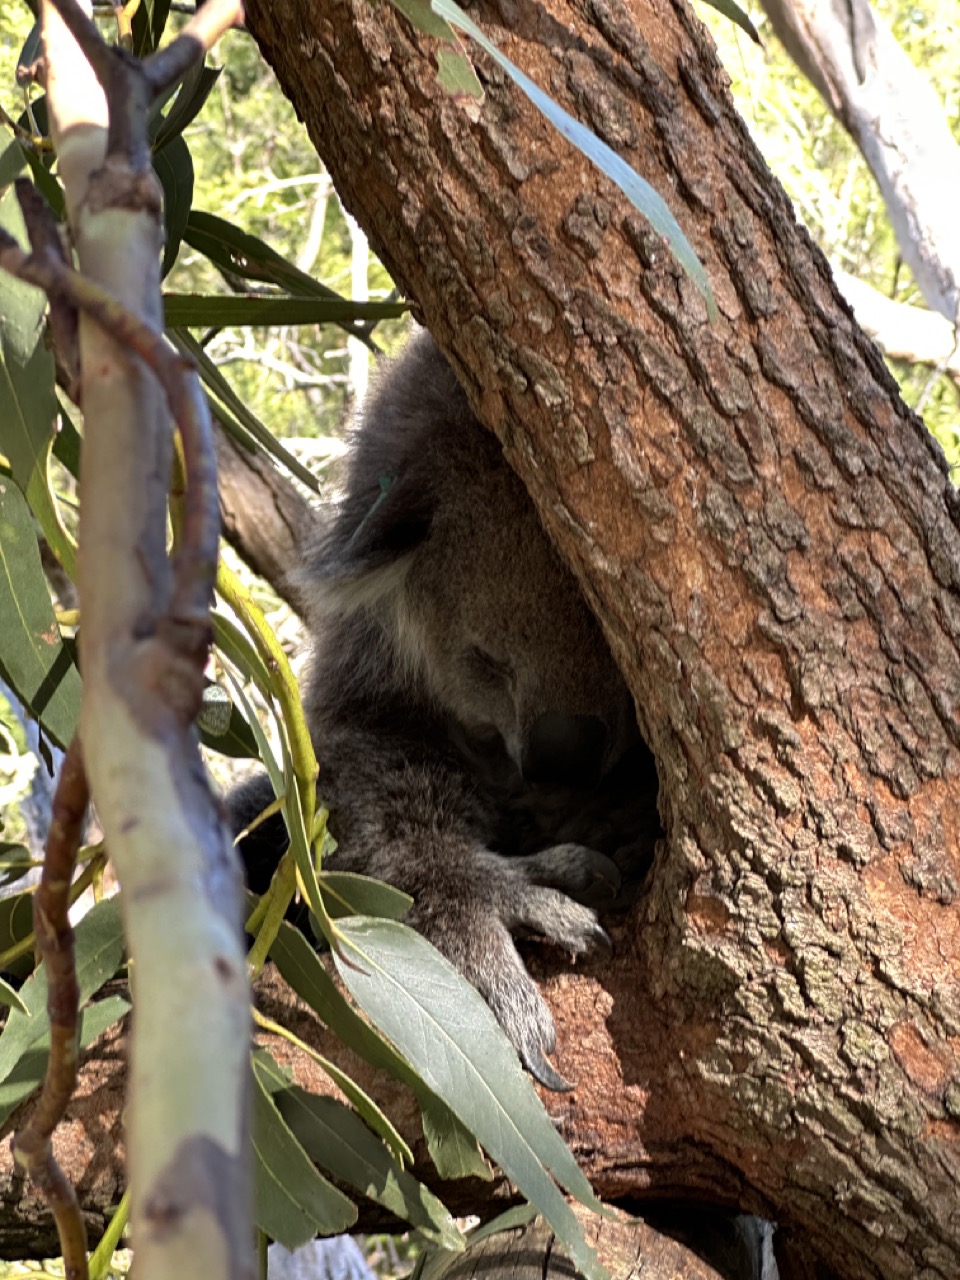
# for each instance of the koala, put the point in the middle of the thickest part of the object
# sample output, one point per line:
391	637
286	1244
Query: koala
478	746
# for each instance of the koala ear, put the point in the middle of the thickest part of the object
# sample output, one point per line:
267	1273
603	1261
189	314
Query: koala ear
368	551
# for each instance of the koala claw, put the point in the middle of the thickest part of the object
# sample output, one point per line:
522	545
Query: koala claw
602	938
543	1073
573	869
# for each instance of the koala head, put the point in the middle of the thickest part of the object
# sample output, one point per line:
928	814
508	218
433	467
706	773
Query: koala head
438	539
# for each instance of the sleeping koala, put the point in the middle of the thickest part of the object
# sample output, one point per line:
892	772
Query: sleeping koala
478	747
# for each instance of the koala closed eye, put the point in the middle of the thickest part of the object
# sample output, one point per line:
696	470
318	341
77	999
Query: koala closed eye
487	667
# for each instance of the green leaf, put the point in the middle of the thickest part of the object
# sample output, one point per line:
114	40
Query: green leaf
347	894
99	951
11	997
12	159
16	923
28	404
240	254
28	1074
33	658
193	93
217	311
220	390
341	1143
730	9
639	192
456	74
452	1149
15	861
447	1032
174	167
149	21
293	1201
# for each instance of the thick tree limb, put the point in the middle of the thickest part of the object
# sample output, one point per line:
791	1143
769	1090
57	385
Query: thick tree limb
890	109
771	541
265	518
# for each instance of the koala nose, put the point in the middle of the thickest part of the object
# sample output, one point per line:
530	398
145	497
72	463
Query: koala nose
565	751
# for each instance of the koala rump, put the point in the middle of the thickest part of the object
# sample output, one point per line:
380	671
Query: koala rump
478	747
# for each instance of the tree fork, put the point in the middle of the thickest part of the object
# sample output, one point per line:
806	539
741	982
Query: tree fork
771	542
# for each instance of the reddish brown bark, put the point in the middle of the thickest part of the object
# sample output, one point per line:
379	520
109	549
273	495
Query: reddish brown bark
772	544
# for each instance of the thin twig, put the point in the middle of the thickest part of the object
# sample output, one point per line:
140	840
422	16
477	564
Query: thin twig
209	23
31	1145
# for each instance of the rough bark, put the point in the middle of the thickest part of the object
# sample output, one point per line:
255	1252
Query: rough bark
771	542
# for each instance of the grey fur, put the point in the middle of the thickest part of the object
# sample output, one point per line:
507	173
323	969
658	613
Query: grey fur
454	660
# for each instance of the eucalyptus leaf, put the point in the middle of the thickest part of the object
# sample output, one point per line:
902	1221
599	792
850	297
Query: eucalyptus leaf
456	75
338	1140
220	390
28	404
347	894
448	1034
34	661
10	996
174	168
238	253
29	1071
195	89
730	9
638	191
452	1149
217	311
98	949
293	1201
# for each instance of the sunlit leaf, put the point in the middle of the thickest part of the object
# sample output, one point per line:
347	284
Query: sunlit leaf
639	192
28	404
99	951
447	1032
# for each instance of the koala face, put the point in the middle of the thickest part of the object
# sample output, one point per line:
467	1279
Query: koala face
438	538
503	639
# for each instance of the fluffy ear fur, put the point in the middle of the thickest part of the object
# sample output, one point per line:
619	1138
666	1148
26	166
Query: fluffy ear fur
366	554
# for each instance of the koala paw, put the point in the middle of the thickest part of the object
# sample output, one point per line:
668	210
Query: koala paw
573	868
475	932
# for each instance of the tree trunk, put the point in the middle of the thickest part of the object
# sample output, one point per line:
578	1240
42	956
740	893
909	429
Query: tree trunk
771	542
